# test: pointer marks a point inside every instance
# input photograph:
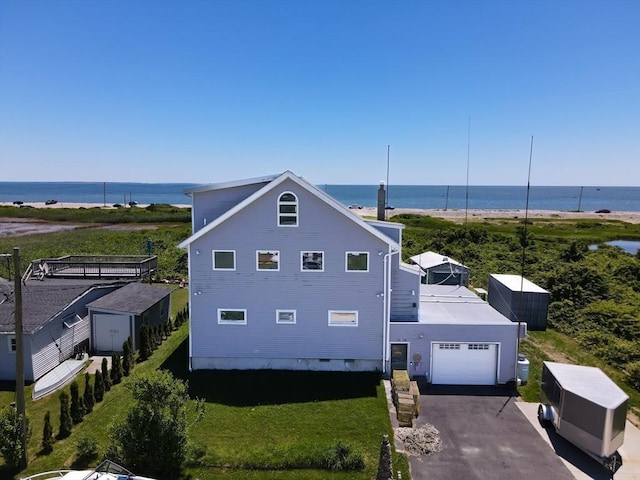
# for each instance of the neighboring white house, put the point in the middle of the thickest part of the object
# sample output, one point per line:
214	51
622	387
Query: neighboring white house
282	276
55	323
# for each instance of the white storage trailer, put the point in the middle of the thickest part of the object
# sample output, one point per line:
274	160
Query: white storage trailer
585	407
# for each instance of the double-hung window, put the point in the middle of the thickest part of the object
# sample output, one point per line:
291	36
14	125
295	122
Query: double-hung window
267	260
343	318
232	316
312	261
224	259
357	261
288	210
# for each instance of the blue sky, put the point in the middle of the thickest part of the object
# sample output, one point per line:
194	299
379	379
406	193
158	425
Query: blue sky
207	91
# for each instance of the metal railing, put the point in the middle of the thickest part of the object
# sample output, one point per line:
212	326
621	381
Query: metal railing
93	266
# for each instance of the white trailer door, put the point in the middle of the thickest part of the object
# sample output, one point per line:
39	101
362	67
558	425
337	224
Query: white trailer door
110	332
464	363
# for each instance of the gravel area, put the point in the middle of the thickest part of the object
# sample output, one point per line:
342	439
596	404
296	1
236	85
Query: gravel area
424	440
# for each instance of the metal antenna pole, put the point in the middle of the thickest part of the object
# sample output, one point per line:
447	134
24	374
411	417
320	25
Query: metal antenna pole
386	199
466	206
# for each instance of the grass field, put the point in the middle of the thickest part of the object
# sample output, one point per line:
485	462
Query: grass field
254	420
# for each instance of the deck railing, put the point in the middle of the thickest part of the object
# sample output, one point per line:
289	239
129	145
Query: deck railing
90	266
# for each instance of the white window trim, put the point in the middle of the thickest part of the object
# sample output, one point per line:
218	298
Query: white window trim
72	320
9	338
213	260
302	269
221	321
287	311
346	261
258	252
296	214
343	324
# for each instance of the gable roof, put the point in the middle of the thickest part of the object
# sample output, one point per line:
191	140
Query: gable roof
234	183
274	183
428	260
41	302
133	298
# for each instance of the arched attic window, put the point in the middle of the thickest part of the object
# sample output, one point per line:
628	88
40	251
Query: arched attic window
287	210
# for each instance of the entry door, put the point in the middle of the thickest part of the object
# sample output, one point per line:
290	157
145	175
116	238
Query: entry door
399	356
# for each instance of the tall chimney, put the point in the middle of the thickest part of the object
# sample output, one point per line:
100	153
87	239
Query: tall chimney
381	202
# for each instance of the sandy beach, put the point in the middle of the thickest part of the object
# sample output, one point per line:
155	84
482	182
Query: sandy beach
456	215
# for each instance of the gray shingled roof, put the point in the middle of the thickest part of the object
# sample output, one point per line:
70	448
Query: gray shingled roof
40	302
133	298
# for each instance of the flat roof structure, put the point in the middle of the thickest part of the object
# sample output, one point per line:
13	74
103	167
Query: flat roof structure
456	305
517	283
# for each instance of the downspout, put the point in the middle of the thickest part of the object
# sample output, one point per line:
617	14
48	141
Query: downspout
386	306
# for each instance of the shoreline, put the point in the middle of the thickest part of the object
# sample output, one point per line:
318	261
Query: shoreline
456	215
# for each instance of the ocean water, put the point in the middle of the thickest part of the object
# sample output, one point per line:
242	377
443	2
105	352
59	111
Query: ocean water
625	199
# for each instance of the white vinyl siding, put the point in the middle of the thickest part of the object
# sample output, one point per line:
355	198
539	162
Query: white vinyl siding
287	210
339	318
286	316
357	261
312	261
268	260
224	259
232	316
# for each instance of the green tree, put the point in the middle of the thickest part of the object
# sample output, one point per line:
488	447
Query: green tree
126	358
116	369
77	405
98	386
66	424
10	436
106	378
47	434
153	436
89	398
145	342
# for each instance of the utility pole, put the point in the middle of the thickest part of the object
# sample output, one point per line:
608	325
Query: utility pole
20	402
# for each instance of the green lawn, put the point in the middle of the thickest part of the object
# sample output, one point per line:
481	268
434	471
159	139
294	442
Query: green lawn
253	420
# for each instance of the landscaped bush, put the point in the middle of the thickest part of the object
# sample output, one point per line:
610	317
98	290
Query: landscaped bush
10	436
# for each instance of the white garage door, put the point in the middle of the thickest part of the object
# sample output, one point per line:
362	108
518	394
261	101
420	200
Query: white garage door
110	332
464	363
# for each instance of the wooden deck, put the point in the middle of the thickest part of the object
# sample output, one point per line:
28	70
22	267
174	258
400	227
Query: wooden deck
102	267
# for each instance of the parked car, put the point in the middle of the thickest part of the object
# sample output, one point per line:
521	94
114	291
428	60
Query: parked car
50	202
133	203
355	206
18	202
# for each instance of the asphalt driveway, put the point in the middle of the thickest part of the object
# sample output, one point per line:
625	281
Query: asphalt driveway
484	436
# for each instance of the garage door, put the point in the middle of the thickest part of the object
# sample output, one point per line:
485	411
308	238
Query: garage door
110	332
464	363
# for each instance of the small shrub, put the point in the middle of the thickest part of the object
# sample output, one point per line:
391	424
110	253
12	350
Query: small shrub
65	416
98	386
341	457
89	398
106	378
77	405
87	447
10	441
47	434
